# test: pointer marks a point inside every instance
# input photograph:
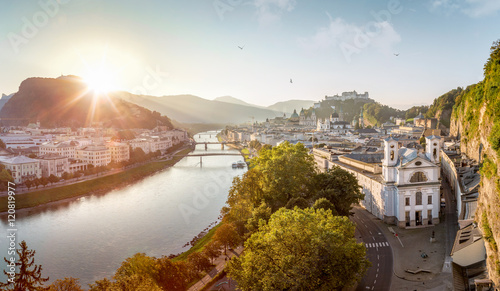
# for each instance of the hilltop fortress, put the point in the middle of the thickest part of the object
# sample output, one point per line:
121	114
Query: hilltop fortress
345	96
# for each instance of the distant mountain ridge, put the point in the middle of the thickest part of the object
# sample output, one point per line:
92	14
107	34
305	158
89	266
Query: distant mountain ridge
290	105
4	99
194	109
230	99
283	106
66	101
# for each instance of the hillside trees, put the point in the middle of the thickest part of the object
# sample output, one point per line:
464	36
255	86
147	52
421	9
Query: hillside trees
377	114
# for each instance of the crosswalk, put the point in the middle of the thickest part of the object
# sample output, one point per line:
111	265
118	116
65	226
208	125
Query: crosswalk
377	245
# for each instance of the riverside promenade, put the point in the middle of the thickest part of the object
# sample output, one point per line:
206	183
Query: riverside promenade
220	263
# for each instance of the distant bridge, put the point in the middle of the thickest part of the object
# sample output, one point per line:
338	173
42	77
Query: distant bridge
213	154
210	154
222	143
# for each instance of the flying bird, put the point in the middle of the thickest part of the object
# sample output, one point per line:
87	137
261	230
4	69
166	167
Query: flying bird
291	80
396	55
241	47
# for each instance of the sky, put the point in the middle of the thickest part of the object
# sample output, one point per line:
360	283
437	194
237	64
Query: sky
402	52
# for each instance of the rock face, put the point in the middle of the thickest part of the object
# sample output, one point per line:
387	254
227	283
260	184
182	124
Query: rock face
476	120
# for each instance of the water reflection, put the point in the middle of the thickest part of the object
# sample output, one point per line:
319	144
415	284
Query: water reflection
89	237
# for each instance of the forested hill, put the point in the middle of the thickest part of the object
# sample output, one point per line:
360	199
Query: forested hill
442	107
476	120
66	101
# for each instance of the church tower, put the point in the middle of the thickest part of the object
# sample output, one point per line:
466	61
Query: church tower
361	120
432	148
390	159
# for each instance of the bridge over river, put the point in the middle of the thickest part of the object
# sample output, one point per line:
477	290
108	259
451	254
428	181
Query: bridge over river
211	154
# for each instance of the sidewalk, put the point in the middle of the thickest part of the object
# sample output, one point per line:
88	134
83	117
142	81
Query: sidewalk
408	249
220	263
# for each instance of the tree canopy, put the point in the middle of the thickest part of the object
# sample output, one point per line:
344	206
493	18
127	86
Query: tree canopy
301	249
27	276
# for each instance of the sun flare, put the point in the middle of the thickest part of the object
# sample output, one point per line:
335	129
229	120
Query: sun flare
101	81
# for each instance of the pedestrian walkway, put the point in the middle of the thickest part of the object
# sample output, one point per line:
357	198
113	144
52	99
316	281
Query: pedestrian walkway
376	245
417	262
220	263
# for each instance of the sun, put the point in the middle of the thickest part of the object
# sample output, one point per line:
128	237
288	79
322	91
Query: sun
101	80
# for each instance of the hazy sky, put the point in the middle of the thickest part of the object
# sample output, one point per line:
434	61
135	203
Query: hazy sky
191	46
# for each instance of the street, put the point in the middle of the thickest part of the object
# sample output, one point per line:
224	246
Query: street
378	252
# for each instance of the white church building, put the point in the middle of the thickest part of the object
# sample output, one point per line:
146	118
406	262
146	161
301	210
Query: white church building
334	125
401	186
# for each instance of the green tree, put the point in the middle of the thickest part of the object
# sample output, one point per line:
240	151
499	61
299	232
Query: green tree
260	215
227	236
36	182
5	178
340	187
171	275
103	285
297	202
199	262
301	249
245	194
28	276
323	203
28	183
286	172
212	250
53	179
136	272
44	181
66	284
66	176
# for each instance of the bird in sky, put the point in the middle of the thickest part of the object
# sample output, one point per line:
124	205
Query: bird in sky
291	80
396	55
241	47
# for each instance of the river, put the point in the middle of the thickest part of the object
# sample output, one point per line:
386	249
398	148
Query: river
89	237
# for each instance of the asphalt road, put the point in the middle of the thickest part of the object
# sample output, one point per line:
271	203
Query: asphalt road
378	252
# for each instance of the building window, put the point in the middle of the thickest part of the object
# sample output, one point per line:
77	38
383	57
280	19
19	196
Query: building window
429	199
418	198
407	201
418	177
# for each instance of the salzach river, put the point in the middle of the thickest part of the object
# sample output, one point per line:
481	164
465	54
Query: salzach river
89	237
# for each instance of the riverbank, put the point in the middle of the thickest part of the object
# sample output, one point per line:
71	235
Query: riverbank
88	187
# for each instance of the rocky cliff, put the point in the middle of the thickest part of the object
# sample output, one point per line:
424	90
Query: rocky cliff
476	120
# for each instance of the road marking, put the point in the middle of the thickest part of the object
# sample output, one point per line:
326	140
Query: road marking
367	287
378	264
377	271
378	258
374	282
370	231
376	275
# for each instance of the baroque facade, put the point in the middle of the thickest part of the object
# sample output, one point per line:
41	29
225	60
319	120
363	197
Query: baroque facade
401	187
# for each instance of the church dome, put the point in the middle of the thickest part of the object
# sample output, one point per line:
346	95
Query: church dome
294	114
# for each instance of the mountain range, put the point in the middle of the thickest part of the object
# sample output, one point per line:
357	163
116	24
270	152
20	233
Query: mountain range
67	101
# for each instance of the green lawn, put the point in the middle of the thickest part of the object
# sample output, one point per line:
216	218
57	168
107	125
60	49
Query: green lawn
199	245
101	184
